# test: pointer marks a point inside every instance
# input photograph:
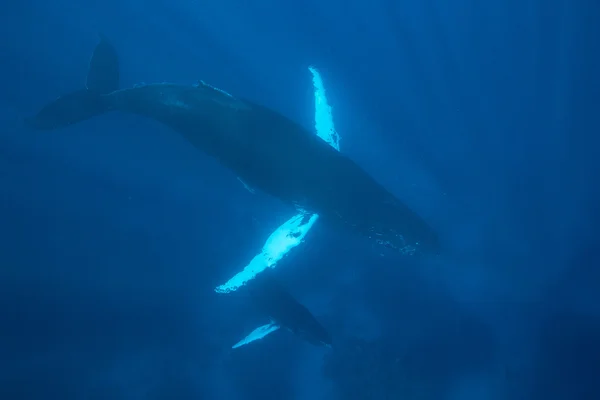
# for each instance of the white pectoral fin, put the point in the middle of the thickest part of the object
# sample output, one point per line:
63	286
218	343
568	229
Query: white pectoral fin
289	235
257	334
323	115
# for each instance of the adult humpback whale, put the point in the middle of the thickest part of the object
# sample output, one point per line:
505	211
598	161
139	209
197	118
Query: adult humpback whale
265	149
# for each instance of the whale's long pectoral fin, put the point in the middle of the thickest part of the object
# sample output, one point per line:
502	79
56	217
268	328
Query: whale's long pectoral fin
323	116
289	235
257	334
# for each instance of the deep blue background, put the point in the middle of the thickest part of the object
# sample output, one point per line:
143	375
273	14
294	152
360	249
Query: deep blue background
483	117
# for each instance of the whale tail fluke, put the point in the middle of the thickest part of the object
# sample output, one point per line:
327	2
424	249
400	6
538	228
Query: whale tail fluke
102	79
103	72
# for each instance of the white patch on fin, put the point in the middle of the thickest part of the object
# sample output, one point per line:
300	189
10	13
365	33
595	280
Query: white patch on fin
289	235
257	334
323	116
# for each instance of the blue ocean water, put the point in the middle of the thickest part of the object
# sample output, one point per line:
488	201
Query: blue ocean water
114	232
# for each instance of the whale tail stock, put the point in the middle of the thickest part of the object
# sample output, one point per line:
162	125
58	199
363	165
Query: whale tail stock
102	78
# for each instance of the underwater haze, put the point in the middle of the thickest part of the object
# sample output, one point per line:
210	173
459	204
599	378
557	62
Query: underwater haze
481	117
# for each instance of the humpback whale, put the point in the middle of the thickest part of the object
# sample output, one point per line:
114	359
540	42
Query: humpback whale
267	150
284	311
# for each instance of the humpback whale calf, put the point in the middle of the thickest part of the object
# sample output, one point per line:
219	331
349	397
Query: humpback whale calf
284	311
265	149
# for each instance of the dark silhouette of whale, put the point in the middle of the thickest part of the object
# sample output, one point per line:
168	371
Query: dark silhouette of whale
273	300
265	149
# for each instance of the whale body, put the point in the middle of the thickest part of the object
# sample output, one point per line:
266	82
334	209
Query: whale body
266	150
273	301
